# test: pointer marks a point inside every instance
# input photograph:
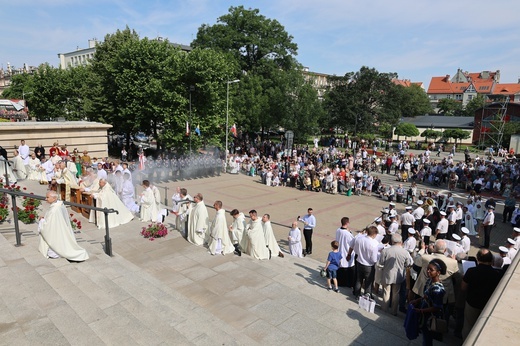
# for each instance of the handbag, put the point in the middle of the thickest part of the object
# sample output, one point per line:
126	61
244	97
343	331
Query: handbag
367	304
323	273
437	325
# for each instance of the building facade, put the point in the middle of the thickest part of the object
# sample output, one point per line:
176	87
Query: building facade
462	87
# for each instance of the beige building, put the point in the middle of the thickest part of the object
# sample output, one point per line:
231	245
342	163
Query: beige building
82	135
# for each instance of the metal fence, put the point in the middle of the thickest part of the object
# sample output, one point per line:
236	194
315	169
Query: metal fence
14	193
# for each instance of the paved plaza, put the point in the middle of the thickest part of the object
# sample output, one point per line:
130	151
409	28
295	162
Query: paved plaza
170	292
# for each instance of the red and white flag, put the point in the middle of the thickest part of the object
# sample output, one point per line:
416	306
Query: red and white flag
187	129
234	130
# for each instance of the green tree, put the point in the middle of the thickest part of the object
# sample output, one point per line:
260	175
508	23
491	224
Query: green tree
272	91
449	107
413	100
406	129
359	100
473	105
427	134
250	37
510	128
456	134
107	102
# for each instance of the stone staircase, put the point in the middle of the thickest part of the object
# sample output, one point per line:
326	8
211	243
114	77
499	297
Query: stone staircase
170	292
105	300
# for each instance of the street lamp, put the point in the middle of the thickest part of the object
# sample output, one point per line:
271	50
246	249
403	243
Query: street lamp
192	88
227	116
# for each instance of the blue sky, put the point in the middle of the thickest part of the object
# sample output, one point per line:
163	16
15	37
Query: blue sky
417	39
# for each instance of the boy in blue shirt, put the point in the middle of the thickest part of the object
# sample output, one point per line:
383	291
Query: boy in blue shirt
332	266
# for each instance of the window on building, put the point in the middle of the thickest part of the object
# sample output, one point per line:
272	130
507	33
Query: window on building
470	97
458	97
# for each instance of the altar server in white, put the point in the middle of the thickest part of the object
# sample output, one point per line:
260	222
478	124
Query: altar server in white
295	240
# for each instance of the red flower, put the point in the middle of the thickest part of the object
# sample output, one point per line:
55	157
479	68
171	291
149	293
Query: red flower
31	216
25	188
1	218
71	215
75	220
79	227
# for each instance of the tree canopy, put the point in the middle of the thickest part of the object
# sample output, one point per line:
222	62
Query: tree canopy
272	92
431	134
456	134
362	101
406	129
449	107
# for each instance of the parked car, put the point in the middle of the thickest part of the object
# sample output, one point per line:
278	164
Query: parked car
140	137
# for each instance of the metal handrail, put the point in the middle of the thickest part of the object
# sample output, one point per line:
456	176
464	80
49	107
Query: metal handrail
14	194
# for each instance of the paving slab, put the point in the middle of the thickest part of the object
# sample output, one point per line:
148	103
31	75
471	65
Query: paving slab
197	299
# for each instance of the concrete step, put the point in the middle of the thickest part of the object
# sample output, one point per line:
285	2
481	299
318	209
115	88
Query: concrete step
99	301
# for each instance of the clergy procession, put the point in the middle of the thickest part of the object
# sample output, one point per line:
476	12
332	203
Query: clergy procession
413	258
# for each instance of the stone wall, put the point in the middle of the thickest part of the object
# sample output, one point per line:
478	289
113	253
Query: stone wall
83	135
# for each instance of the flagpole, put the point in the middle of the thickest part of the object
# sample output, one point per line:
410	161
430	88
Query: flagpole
227	119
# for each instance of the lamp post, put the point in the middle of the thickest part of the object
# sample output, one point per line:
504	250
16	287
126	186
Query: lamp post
227	117
192	88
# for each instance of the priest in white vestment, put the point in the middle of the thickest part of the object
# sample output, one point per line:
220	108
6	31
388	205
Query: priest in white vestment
237	232
198	222
219	241
270	239
117	182
128	194
149	204
18	166
56	235
47	169
34	168
162	212
9	174
295	240
71	167
89	182
107	198
181	208
257	247
64	176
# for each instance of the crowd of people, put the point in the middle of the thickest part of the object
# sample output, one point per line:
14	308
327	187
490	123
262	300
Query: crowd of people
416	257
358	171
417	260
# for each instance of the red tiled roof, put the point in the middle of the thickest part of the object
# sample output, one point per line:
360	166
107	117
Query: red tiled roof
506	89
442	85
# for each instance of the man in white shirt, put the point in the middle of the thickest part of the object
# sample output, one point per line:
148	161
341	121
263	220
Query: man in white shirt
442	227
489	221
450	216
394	226
366	249
407	222
459	215
465	241
418	214
410	243
309	222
